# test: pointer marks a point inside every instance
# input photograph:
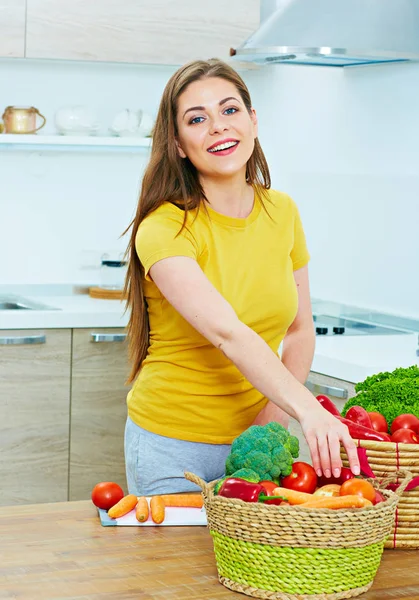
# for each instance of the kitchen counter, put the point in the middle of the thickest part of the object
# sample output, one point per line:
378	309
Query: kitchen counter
351	358
60	551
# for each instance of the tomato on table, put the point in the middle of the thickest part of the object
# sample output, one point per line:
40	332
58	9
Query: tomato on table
106	494
358	487
303	478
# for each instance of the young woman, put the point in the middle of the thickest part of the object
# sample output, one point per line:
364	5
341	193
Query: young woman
217	279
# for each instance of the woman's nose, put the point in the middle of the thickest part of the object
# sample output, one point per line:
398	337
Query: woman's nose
217	126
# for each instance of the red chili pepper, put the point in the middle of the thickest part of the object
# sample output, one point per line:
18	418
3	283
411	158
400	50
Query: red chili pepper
359	415
359	432
328	405
245	490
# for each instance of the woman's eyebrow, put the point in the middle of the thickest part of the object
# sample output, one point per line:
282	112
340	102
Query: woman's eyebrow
203	107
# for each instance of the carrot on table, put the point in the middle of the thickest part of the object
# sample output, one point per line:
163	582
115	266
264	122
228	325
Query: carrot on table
336	502
292	496
124	506
186	500
157	509
141	510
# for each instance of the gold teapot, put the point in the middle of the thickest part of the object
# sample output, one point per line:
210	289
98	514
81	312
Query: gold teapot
22	119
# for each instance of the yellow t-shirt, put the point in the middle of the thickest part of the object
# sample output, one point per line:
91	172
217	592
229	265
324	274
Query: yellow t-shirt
187	388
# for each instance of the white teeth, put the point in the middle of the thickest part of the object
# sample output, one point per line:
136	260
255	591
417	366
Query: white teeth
223	146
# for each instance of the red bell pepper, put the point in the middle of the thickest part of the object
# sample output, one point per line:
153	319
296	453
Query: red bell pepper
245	490
359	432
359	415
328	405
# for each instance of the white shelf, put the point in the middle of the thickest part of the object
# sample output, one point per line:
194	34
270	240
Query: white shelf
69	142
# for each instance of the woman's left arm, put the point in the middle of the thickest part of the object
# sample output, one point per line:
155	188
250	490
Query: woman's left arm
297	347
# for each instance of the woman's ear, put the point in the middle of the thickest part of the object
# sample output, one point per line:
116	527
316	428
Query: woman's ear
179	149
254	118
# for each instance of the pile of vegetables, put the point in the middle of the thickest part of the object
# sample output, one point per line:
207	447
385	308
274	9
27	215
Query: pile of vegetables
260	468
389	393
303	487
109	496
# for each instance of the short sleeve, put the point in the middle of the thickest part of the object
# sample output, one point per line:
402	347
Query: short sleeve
299	254
161	236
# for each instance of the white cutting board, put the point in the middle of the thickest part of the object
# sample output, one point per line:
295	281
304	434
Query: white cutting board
173	516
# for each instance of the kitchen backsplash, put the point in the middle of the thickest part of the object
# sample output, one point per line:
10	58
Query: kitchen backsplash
342	143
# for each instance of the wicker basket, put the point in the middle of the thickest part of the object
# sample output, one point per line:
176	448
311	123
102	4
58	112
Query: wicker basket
385	458
295	553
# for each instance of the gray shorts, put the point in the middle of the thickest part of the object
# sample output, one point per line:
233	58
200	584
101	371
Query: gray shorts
155	464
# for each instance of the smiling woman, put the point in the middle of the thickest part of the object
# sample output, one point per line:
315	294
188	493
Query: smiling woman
217	279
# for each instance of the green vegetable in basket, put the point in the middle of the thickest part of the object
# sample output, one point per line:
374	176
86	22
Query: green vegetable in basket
266	449
389	393
246	474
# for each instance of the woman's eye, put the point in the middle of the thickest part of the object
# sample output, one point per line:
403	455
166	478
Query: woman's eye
196	120
231	110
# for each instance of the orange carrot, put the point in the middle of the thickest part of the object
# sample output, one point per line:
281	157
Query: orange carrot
141	510
191	500
336	502
157	509
292	496
124	506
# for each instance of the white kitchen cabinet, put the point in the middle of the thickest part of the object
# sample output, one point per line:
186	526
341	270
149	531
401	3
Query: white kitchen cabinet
34	415
98	410
337	390
12	22
142	31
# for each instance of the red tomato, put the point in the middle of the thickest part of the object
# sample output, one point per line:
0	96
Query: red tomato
269	487
405	436
379	422
302	479
358	487
345	474
406	421
106	494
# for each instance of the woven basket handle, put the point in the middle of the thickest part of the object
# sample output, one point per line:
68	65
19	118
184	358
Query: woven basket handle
405	475
198	481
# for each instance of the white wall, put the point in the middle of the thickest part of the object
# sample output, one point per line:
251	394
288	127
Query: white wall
345	145
62	210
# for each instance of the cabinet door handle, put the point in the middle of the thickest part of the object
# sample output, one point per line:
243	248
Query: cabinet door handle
108	337
21	340
318	388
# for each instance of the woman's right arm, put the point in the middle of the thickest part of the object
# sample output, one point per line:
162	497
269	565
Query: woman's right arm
185	286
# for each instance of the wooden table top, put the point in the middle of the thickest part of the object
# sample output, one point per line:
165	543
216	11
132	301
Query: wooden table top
57	551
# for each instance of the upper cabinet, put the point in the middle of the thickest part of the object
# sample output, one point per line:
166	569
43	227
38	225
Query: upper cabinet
168	32
12	21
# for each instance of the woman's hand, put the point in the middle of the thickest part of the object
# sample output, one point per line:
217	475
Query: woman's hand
324	435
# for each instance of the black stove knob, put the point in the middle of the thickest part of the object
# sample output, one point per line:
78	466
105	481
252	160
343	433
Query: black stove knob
321	330
338	330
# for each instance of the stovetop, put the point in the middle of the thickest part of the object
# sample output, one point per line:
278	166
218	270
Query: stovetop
326	325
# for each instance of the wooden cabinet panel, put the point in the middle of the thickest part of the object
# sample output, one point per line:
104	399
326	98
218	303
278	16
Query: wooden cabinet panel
12	21
34	417
98	411
143	31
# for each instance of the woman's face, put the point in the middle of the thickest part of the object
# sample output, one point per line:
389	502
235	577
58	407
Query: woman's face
215	130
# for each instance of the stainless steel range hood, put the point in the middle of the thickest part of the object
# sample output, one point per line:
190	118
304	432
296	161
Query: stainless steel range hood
335	33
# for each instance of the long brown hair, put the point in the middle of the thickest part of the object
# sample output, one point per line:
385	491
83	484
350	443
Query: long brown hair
170	178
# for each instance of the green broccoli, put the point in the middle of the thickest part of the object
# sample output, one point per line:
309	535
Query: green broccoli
389	393
268	450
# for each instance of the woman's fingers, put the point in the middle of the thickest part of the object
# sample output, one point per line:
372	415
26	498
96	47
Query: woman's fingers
351	453
334	450
314	451
324	451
